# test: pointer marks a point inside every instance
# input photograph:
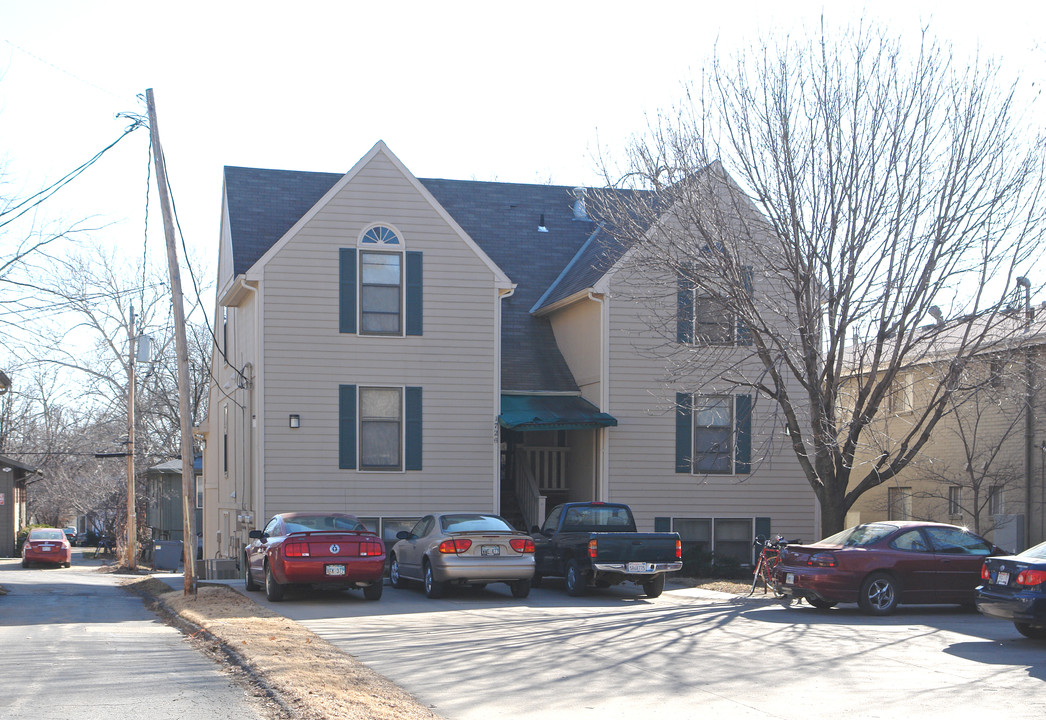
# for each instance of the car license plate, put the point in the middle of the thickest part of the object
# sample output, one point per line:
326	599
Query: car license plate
46	548
1003	579
489	550
634	567
789	578
334	569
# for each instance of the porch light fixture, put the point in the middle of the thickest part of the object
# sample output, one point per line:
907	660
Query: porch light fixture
295	421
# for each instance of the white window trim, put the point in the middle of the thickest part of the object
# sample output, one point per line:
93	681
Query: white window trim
403	428
397	249
696	341
693	434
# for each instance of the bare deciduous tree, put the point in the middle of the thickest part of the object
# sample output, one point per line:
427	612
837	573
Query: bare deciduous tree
821	199
82	346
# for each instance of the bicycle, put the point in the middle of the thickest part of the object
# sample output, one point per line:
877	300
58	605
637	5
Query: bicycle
769	557
105	546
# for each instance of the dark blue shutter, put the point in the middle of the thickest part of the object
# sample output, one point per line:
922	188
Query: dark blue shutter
685	307
762	527
412	450
744	333
347	427
414	293
743	441
684	433
347	290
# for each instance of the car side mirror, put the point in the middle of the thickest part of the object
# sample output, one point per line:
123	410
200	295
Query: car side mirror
535	530
403	535
256	534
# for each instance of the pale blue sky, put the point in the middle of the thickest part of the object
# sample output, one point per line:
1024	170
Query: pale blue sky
516	92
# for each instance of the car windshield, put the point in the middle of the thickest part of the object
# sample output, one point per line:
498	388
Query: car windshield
859	536
46	535
1036	553
473	522
303	523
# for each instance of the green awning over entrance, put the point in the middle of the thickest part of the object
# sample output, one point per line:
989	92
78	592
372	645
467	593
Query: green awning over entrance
551	412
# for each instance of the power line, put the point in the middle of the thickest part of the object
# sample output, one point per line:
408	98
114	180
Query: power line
38	198
62	70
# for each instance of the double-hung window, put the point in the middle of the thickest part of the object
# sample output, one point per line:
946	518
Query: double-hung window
899	503
379	427
705	319
713	434
381	291
995	501
380	286
955	500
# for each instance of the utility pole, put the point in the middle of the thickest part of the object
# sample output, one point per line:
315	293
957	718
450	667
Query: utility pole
132	515
188	491
1029	410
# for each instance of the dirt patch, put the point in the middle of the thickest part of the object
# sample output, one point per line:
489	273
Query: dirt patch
734	587
303	674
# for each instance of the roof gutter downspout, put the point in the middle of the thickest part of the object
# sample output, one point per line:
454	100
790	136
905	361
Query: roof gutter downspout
258	512
503	293
603	445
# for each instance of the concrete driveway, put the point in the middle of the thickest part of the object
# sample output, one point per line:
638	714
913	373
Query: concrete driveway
688	654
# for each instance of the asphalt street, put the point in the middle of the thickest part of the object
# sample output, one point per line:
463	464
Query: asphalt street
478	655
75	645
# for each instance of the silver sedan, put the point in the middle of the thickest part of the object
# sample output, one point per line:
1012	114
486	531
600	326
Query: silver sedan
465	548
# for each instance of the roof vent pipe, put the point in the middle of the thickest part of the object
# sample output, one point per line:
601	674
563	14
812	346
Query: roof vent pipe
580	213
541	225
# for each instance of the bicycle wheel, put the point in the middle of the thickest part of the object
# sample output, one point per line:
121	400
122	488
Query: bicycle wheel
755	575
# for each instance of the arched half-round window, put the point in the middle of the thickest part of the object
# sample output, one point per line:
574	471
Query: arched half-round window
380	235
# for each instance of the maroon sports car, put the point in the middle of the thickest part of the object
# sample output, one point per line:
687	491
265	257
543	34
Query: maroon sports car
883	564
328	549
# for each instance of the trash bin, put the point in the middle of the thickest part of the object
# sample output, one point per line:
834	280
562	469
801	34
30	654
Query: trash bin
167	554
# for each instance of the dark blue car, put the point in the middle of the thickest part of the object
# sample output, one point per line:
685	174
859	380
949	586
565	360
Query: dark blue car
1014	589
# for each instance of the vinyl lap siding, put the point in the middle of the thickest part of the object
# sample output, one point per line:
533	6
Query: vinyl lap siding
306	358
641	448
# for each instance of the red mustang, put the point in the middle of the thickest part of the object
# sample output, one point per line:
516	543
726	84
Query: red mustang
329	549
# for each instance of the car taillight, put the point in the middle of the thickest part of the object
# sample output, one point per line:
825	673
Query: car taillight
297	549
1031	577
592	548
522	545
821	560
371	548
456	545
985	575
679	550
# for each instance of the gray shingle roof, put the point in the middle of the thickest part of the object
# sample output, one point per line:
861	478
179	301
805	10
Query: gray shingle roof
502	218
265	204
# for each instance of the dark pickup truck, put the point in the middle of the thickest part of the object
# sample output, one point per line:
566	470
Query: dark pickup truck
597	544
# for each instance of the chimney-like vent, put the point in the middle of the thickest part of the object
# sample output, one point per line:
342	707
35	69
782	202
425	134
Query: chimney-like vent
541	225
580	213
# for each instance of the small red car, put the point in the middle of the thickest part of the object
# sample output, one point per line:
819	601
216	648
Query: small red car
883	564
329	549
47	545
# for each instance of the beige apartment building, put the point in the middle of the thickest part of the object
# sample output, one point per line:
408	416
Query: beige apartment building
391	346
983	466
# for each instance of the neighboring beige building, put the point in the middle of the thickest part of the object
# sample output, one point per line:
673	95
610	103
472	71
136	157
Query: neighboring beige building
983	466
390	346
